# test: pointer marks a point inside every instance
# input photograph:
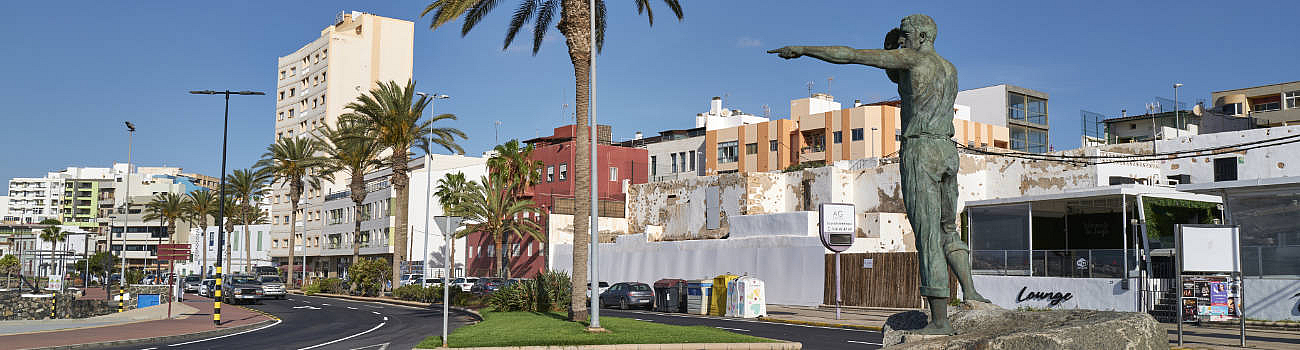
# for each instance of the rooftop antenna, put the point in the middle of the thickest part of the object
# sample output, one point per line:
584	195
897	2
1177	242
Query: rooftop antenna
767	111
828	84
564	112
810	86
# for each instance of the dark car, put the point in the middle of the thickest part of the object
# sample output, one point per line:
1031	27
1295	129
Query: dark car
487	285
628	294
241	289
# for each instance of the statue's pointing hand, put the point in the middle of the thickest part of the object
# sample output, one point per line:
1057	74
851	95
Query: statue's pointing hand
787	52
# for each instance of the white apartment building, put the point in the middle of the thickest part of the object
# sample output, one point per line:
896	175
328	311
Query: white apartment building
315	82
32	199
257	243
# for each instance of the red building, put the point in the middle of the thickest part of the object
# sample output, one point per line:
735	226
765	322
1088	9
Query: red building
554	194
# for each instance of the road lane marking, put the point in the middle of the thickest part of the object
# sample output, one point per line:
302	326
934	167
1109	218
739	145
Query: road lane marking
352	308
863	342
343	338
325	304
385	318
308	307
149	348
277	321
732	329
383	346
375	312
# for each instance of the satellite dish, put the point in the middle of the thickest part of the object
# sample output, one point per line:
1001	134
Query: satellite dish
1198	110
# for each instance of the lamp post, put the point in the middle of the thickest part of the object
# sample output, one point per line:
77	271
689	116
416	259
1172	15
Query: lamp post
221	206
126	220
1178	118
428	193
595	185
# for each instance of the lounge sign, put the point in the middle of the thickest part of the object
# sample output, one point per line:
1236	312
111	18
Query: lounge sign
1052	298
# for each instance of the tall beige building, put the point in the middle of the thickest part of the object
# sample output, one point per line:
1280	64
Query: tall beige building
314	83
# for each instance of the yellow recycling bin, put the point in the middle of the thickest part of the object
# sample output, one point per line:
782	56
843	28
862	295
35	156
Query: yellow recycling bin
718	305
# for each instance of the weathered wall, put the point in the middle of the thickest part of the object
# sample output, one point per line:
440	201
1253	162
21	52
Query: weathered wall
15	305
1259	163
679	205
560	241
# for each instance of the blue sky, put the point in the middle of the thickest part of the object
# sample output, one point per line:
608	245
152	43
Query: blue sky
74	71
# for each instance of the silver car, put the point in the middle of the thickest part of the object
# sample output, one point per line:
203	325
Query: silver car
272	287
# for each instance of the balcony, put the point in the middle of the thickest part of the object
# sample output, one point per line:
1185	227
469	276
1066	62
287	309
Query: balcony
1276	117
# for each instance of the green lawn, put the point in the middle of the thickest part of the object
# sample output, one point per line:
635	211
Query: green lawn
532	328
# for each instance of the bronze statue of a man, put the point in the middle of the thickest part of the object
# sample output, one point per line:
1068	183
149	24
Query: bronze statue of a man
927	84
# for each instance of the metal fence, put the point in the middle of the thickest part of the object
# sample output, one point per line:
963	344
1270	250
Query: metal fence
1076	263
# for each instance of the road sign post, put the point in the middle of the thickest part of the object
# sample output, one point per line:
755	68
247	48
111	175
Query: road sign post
171	253
838	221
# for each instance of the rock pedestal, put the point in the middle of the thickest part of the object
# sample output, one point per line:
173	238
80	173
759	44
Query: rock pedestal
985	326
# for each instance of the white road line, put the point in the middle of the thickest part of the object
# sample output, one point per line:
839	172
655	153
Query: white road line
325	304
227	335
863	342
343	338
352	308
149	348
732	329
375	312
385	318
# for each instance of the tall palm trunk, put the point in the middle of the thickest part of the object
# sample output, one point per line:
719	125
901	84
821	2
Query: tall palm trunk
502	269
358	188
574	15
295	192
400	180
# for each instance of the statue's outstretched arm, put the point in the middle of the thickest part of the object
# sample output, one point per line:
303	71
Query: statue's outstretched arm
886	59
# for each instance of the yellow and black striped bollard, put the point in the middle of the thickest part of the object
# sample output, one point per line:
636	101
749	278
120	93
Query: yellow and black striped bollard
54	305
120	295
216	302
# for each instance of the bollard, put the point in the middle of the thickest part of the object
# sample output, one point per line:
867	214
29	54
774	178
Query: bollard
216	302
54	305
120	294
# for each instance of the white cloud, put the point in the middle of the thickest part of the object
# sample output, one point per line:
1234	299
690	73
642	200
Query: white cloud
748	42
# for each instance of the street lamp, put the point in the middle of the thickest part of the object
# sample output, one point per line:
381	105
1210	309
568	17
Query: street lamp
428	192
121	287
1177	116
221	206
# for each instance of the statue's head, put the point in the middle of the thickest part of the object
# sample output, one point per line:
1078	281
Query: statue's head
918	32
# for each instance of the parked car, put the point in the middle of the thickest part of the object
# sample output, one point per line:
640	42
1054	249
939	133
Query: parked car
487	285
272	287
241	289
628	294
431	282
206	287
410	278
266	270
192	283
601	289
465	283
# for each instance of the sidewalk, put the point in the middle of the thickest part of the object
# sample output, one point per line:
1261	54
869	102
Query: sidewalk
197	319
159	312
1194	337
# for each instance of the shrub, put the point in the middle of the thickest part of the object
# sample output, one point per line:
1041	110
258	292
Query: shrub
369	276
549	292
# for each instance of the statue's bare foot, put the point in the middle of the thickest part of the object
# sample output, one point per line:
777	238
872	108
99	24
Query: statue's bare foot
975	296
935	329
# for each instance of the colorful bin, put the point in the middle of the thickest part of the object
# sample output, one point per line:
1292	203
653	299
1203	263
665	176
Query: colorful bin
699	295
718	306
746	298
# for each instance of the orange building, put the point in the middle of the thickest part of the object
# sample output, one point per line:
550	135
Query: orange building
820	131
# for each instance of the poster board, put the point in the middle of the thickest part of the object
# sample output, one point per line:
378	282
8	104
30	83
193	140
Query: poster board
1216	248
1209	276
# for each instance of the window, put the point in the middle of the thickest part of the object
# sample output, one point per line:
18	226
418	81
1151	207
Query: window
1293	99
727	152
1133	126
259	240
613	173
1037	109
564	171
837	137
856	134
292	91
280	117
1225	169
771	145
751	148
281	75
681	158
673	156
1231	109
654	165
1266	106
692	160
550	173
281	95
1016	106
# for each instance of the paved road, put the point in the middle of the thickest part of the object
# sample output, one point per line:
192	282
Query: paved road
812	337
326	323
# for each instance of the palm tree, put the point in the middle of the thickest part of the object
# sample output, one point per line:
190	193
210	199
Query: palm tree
518	172
292	161
489	212
575	16
391	115
166	208
200	206
52	234
451	192
247	186
348	151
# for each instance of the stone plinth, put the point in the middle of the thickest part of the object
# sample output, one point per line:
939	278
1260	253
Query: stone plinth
984	326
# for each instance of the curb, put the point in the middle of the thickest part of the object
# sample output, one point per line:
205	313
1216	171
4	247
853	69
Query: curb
1287	326
673	346
473	314
820	324
165	338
